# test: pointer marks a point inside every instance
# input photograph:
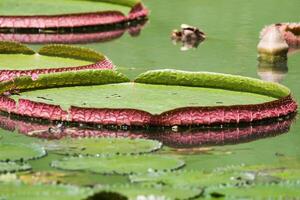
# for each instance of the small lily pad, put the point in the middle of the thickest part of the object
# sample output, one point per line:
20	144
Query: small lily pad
283	190
104	146
17	151
184	178
134	192
18	190
13	167
120	164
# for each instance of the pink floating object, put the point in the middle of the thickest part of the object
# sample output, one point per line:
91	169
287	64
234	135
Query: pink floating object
289	31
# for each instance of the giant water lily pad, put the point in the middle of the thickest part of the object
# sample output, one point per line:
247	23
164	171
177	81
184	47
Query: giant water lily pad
18	190
120	164
18	60
40	7
162	97
68	14
17	151
126	95
13	167
103	146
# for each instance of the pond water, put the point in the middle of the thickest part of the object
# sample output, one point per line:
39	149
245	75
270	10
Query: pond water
232	28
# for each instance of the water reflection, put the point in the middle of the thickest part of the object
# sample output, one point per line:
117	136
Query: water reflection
274	72
181	138
76	36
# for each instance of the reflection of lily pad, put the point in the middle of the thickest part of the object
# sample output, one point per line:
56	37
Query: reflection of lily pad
120	164
11	151
134	192
18	60
104	146
42	192
13	167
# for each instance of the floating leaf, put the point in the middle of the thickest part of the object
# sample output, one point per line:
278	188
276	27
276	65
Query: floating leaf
120	164
13	167
17	190
184	178
283	190
73	178
16	151
152	98
59	7
134	192
104	146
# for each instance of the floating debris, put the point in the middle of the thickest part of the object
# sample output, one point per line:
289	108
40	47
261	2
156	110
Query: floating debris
189	36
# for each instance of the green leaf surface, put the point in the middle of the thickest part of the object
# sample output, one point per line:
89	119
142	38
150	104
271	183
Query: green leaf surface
16	56
120	164
21	191
134	192
41	7
151	98
18	151
103	146
84	77
213	80
36	61
283	190
13	167
183	178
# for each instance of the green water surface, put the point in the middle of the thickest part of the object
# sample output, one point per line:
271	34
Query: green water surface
232	28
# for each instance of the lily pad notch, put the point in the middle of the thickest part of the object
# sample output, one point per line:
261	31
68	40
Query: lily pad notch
283	105
71	21
98	60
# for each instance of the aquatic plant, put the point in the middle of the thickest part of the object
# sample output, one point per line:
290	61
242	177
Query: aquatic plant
11	167
90	60
270	100
42	191
158	192
18	151
103	146
127	164
112	13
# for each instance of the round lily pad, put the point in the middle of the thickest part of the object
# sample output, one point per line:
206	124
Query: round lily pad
42	191
18	151
156	98
133	192
19	60
184	178
13	167
283	190
120	164
104	146
126	95
66	14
